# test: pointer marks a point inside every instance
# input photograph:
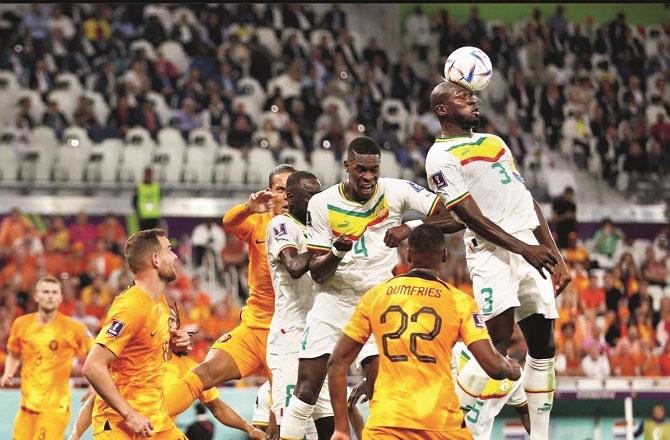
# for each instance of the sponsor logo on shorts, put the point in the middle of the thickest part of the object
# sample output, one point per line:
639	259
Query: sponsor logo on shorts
479	321
439	180
115	328
224	338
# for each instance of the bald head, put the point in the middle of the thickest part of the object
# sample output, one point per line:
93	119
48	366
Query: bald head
442	91
454	106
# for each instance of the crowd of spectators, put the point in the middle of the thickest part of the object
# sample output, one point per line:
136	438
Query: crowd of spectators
596	91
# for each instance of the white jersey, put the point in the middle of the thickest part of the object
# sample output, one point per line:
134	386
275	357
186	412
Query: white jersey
481	166
293	298
370	261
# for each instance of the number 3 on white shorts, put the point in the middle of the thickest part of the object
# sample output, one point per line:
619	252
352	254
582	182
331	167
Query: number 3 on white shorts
488	300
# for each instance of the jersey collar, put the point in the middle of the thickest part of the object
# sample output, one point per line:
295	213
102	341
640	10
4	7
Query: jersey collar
340	188
456	136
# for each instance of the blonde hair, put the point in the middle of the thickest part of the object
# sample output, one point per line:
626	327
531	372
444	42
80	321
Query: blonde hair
48	279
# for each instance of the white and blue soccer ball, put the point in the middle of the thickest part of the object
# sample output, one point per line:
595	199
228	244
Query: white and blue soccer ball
469	67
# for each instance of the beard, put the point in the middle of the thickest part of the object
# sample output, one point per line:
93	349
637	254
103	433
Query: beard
167	274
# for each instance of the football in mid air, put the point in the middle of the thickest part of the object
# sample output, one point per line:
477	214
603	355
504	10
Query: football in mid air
469	67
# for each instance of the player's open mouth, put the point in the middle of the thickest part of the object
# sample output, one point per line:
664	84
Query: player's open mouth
367	188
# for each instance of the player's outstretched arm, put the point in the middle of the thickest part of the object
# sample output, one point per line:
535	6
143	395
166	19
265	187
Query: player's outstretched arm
229	417
493	363
296	264
538	256
344	353
96	370
83	420
561	277
323	265
12	364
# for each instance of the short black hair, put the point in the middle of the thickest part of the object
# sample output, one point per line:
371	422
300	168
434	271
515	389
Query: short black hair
281	169
364	145
299	176
426	239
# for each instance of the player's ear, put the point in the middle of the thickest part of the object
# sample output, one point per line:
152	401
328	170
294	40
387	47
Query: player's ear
440	110
346	165
154	260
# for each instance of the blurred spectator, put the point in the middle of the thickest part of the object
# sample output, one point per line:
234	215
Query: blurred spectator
612	293
564	215
13	227
210	238
101	260
592	297
575	252
664	359
577	135
624	362
83	115
655	427
516	143
241	128
595	365
551	109
417	26
334	19
187	118
55	119
145	116
147	201
604	243
82	232
654	270
568	352
58	234
40	78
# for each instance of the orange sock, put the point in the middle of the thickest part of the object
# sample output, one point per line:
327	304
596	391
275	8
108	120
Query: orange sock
180	395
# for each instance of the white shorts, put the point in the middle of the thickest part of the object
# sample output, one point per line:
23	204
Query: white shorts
480	418
319	338
282	357
261	416
502	279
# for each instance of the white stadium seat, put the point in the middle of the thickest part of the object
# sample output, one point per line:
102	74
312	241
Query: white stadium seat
268	38
70	83
249	86
162	108
162	13
37	106
103	161
71	157
262	163
168	156
389	165
229	166
137	154
100	107
342	109
173	51
145	46
8	162
325	167
293	157
67	102
198	164
318	34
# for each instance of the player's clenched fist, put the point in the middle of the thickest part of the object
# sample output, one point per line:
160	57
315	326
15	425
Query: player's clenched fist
516	369
139	424
343	244
6	380
396	234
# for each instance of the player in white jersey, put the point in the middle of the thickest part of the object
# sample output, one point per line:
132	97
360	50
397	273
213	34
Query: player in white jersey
349	226
288	260
480	417
508	245
261	416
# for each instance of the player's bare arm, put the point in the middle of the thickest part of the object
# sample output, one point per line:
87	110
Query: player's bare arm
344	353
561	277
323	265
96	370
12	364
83	420
538	256
229	417
442	219
496	365
296	264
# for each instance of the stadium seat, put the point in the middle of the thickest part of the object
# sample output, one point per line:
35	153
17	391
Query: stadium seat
72	155
168	156
261	163
198	164
287	32
190	16
171	138
100	107
318	34
389	164
294	157
229	166
251	107
146	46
68	82
103	161
66	102
162	13
393	111
37	106
37	163
162	108
136	154
8	162
173	51
202	137
9	93
250	87
342	109
325	167
268	38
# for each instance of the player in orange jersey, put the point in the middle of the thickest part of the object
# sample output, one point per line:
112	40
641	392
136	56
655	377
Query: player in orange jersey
127	364
416	319
178	365
241	352
45	342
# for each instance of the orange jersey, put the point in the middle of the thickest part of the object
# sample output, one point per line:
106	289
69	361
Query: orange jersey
252	228
136	331
416	320
47	352
176	368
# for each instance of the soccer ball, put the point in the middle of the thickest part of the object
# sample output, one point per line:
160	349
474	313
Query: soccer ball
469	67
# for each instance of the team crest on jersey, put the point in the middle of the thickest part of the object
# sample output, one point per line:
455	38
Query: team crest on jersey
224	338
115	328
439	180
479	321
279	230
53	345
415	187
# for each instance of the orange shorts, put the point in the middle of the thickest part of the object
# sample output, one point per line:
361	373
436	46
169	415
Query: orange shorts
118	433
31	425
390	433
247	346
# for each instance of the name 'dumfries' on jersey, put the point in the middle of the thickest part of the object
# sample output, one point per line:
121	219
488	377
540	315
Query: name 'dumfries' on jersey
414	290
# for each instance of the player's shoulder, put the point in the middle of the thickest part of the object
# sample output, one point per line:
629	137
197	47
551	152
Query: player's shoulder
70	322
325	197
133	298
24	320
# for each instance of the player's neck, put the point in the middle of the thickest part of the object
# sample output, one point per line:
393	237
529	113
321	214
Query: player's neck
452	130
46	317
427	270
151	284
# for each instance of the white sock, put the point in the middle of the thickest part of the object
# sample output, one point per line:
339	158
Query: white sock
470	384
538	380
294	423
311	431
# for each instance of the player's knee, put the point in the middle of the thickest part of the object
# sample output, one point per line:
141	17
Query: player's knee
545	351
307	391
